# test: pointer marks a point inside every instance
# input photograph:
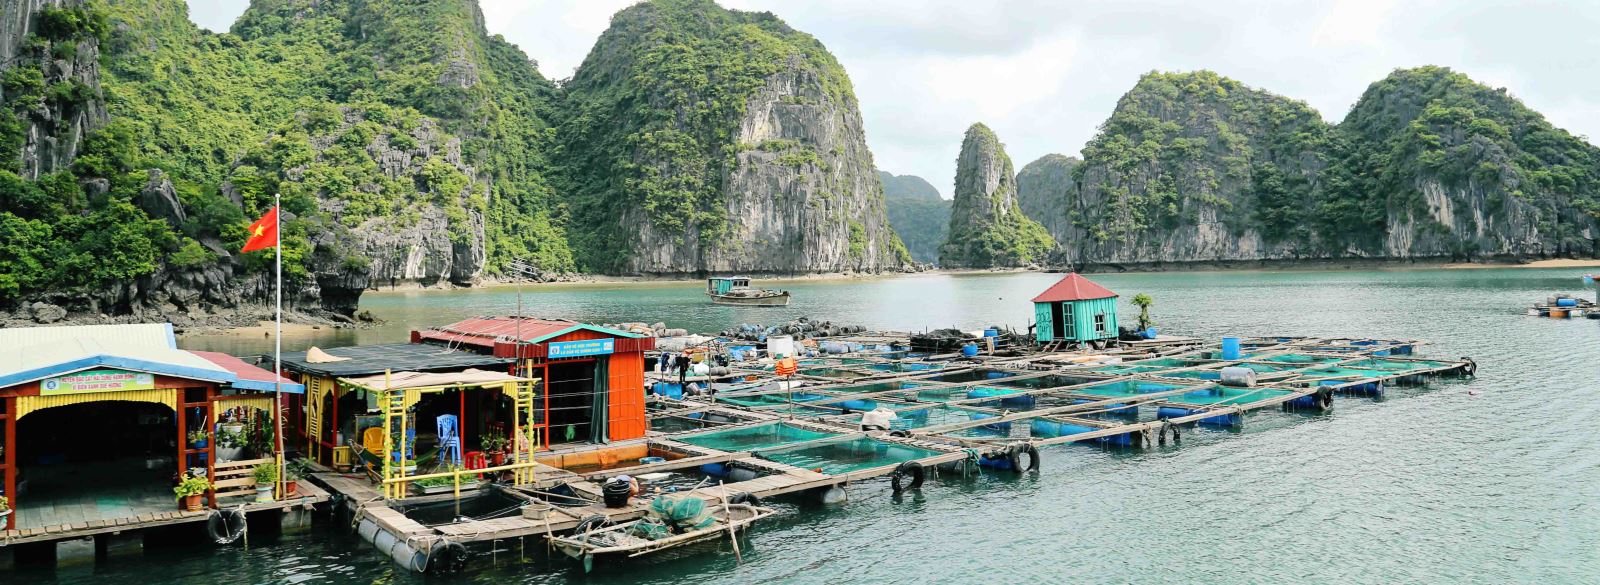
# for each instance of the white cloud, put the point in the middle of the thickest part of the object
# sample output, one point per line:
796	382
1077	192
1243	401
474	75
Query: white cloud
1044	73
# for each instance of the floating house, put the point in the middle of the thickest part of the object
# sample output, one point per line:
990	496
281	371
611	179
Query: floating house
592	377
1075	309
334	414
97	421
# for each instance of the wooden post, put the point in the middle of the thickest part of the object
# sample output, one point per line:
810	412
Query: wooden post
11	460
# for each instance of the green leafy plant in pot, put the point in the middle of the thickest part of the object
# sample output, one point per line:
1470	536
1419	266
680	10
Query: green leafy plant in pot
495	445
266	476
199	439
230	443
189	491
293	472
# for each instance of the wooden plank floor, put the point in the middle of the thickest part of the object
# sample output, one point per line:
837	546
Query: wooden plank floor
69	495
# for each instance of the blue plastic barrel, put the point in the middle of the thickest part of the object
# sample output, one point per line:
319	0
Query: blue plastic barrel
1566	302
1230	348
991	332
1148	333
969	350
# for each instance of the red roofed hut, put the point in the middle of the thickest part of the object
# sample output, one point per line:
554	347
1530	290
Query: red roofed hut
1075	309
593	377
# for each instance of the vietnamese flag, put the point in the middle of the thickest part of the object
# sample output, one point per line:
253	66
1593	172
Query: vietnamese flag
263	233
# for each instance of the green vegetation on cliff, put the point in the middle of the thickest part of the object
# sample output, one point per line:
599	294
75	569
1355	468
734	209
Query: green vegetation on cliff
986	227
1489	154
917	213
651	118
1181	142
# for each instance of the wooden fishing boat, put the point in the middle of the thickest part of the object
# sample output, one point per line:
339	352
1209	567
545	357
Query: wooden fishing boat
622	540
736	290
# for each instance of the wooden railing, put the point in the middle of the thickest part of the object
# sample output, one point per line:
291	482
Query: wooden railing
237	478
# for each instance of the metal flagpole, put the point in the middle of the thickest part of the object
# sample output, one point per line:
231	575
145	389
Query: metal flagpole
277	343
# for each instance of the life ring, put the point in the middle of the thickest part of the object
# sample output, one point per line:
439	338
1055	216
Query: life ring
910	469
227	526
1014	454
446	556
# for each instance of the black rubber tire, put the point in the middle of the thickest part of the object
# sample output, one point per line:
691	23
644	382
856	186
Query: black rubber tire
1014	457
591	523
909	469
744	498
446	557
227	526
904	434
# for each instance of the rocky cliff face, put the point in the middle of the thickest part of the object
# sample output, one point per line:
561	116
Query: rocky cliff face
1194	167
63	104
1045	187
762	168
1451	168
986	227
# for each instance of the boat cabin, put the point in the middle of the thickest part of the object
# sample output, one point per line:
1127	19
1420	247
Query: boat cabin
1075	309
721	285
592	378
97	420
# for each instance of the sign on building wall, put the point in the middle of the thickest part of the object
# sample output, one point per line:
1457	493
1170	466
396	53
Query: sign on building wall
91	381
570	349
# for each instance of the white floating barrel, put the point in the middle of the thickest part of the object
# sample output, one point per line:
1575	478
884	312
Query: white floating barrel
1238	377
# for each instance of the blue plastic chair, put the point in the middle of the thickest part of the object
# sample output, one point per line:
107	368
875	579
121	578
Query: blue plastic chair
449	440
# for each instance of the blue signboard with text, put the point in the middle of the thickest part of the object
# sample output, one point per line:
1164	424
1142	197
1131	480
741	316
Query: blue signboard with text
571	349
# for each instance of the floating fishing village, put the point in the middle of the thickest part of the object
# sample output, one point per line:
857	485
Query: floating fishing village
611	441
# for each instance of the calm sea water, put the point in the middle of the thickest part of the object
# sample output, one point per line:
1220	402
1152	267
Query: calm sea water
1491	481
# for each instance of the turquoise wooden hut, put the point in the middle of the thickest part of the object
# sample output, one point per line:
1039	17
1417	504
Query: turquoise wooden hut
1075	309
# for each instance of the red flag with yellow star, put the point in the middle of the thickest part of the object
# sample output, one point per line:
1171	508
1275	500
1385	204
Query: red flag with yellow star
263	233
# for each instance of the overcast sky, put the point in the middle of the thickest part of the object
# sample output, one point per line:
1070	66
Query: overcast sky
1045	73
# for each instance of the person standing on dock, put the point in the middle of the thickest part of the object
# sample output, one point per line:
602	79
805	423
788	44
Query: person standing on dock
683	370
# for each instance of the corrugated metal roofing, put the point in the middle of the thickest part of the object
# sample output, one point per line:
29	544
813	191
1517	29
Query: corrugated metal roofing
250	376
402	380
375	359
33	353
133	334
1074	287
485	331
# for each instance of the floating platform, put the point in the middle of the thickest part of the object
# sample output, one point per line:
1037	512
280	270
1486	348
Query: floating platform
761	436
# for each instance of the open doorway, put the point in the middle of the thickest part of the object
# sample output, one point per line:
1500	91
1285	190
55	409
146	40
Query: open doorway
571	387
95	461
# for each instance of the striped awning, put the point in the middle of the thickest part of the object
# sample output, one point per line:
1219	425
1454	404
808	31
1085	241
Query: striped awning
165	397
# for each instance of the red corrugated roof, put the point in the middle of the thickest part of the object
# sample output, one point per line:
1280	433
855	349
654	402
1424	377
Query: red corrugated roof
251	377
484	331
1074	288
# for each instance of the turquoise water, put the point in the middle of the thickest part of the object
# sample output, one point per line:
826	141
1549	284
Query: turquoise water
754	437
839	457
1493	481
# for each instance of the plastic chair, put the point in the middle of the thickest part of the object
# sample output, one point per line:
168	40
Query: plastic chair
449	440
372	440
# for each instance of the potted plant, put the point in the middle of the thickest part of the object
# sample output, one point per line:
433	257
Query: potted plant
230	443
1146	325
189	491
266	476
293	472
258	437
199	439
495	444
5	508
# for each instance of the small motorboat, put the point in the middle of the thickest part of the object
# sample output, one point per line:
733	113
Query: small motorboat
671	522
736	290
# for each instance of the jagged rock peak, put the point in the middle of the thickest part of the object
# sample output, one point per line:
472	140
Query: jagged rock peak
986	228
761	168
